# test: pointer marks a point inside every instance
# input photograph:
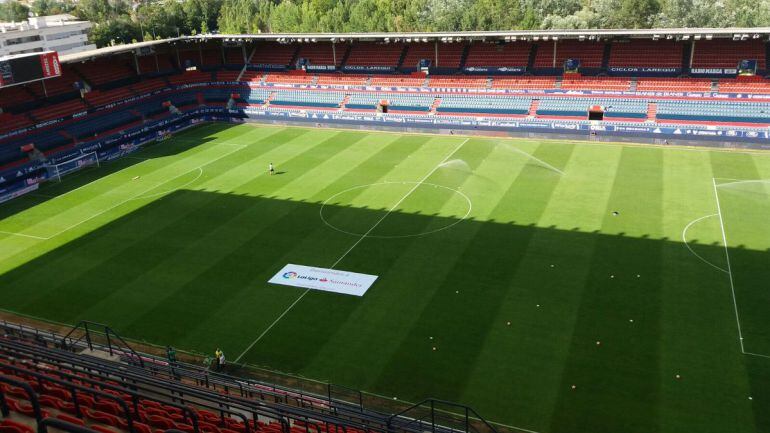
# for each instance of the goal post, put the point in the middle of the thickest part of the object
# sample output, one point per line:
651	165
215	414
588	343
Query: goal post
56	171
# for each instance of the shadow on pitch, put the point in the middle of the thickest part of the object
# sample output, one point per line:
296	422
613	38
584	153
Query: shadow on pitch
181	142
190	269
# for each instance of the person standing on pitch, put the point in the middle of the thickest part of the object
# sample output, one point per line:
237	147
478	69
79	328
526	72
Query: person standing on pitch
271	169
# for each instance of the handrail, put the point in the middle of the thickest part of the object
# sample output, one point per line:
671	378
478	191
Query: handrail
432	401
30	393
247	405
136	397
107	332
277	412
59	424
342	413
74	388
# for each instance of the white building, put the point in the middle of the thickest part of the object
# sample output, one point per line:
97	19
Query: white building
61	33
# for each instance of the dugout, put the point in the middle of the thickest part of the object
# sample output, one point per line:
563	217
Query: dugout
596	112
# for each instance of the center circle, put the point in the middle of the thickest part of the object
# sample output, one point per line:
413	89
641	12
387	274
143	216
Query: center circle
457	199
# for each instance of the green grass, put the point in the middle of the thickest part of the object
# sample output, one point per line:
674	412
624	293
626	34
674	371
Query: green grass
176	246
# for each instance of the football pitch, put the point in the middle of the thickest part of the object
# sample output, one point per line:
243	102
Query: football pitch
552	286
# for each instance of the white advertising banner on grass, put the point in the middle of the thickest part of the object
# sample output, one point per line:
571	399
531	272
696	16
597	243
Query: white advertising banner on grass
328	280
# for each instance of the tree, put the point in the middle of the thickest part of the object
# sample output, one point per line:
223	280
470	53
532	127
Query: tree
286	18
629	14
197	12
13	11
98	11
164	20
116	31
50	7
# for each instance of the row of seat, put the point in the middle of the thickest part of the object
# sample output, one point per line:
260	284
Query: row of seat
547	54
125	398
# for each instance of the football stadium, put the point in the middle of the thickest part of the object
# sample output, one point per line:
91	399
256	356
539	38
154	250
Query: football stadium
521	231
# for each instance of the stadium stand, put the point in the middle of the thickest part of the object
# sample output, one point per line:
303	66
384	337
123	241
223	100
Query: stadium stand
529	82
589	53
727	53
234	56
596	83
674	84
441	55
99	73
273	54
714	111
342	79
487	105
744	85
374	54
289	78
320	54
498	54
458	82
116	100
308	99
397	81
646	53
579	107
43	378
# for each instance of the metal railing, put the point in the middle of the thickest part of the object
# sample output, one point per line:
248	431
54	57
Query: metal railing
93	332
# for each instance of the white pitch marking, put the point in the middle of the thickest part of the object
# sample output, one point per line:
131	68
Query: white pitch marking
757	354
459	220
740	181
124	201
143	197
684	239
23	235
729	267
355	244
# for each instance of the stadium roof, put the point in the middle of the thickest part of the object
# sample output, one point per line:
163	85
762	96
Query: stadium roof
518	35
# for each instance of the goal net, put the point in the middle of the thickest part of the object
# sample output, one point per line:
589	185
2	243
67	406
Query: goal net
56	171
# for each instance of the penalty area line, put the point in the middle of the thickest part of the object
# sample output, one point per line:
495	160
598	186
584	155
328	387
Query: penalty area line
355	244
729	266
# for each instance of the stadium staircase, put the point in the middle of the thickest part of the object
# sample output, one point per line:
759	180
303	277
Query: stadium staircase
344	102
557	83
686	55
402	57
715	85
606	56
632	84
92	381
434	106
345	56
532	57
294	56
652	111
464	56
533	108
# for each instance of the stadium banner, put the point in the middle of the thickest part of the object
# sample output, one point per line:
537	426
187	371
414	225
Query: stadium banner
18	192
327	280
321	68
267	67
714	71
495	70
644	71
358	68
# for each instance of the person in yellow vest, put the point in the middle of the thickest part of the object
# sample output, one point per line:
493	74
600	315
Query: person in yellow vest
217	355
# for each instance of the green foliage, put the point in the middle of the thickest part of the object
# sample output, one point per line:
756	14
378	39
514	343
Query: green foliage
168	18
51	7
121	30
13	11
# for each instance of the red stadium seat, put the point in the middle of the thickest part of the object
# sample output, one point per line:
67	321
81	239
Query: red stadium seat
10	426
